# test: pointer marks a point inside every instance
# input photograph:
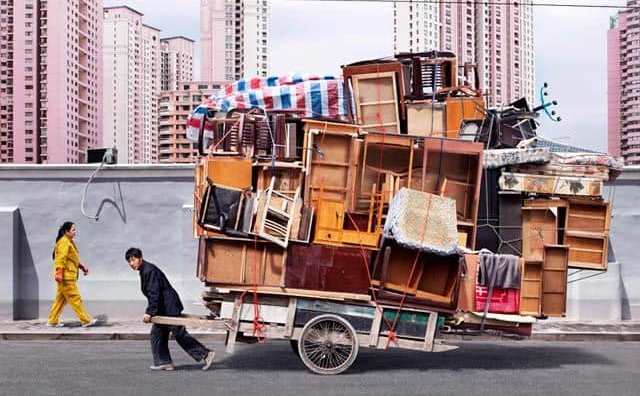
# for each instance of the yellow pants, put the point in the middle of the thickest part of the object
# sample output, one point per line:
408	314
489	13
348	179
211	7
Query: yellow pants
67	292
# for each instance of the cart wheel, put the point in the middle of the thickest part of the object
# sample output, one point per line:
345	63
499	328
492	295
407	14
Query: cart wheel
328	345
294	347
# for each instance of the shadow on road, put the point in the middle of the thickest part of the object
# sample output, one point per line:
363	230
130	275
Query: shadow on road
481	355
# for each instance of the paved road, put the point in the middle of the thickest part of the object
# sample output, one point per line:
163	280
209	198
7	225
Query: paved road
478	368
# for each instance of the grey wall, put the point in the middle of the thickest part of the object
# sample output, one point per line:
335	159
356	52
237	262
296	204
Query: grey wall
146	207
8	259
149	207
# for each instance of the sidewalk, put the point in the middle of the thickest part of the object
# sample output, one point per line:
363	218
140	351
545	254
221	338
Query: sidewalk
112	330
136	330
560	330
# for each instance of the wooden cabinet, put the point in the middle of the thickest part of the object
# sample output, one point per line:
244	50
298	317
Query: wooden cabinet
426	118
531	289
226	261
429	278
539	228
554	280
459	109
327	268
587	251
589	216
331	156
587	233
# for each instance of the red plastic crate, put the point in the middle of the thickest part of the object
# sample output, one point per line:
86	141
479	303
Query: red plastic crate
505	301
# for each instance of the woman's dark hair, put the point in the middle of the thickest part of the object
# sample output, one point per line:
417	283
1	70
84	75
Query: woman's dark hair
133	252
66	226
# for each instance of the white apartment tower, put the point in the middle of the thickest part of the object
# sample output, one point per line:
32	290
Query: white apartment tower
177	62
498	38
131	85
234	35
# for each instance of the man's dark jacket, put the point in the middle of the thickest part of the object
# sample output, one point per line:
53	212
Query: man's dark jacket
163	299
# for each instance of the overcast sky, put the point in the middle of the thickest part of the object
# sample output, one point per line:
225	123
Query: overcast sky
313	37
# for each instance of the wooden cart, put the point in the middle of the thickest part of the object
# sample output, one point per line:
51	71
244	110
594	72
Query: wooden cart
326	333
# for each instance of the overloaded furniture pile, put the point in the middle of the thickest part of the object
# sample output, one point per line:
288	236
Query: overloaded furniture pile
396	185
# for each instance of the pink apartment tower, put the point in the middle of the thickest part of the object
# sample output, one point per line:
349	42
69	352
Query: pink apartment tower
50	80
495	36
623	84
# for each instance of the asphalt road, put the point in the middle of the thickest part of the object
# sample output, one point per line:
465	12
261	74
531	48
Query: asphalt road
477	368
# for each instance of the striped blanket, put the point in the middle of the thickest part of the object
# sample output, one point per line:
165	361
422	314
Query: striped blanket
309	96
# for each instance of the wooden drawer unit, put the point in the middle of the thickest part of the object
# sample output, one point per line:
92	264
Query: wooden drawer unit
588	216
587	251
531	289
554	280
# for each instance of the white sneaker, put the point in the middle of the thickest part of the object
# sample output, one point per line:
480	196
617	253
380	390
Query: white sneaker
208	360
163	367
59	324
92	323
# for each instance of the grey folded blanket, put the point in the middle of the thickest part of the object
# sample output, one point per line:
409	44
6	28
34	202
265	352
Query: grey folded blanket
500	270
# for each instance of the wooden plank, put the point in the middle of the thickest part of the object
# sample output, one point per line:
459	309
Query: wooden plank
191	321
333	127
375	327
232	334
554	280
467	290
430	334
291	316
268	313
545	203
283	291
229	171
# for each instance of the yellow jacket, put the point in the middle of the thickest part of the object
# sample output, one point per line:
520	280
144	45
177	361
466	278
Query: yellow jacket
67	258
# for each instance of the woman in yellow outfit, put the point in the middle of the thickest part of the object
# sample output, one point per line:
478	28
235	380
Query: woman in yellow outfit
66	268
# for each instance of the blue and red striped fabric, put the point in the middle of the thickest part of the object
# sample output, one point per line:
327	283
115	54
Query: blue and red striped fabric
254	83
310	96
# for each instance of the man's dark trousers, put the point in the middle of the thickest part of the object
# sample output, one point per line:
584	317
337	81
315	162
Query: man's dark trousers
160	344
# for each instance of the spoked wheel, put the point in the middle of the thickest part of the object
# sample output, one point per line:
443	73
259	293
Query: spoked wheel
328	345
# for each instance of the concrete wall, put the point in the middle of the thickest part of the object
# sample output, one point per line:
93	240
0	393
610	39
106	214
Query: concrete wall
149	207
142	206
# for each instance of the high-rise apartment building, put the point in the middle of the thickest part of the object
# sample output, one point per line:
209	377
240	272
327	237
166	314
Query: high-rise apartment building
50	80
234	35
175	108
623	83
177	61
497	38
131	85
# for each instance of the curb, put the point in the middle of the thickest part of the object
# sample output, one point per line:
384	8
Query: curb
587	336
35	336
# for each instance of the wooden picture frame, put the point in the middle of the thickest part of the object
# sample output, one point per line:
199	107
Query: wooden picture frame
376	101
